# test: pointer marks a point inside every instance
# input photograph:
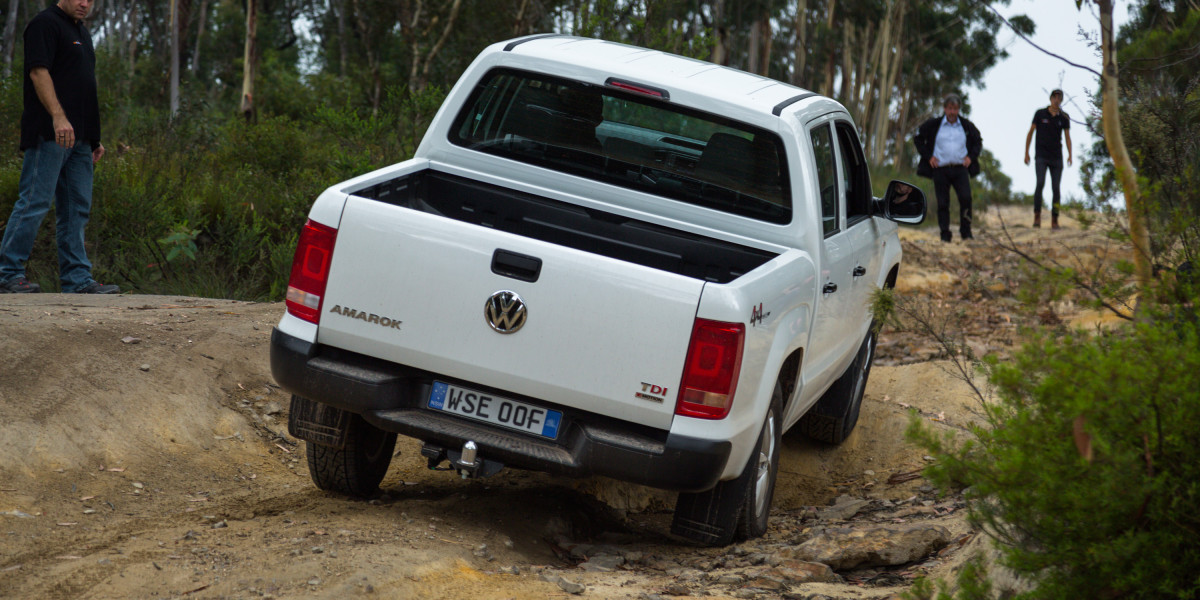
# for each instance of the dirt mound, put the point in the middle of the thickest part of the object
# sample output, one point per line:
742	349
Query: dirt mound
102	380
143	453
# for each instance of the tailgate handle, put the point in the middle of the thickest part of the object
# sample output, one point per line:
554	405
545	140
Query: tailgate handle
521	267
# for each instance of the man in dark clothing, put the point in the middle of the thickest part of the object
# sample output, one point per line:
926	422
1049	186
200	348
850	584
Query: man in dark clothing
949	146
1050	123
60	135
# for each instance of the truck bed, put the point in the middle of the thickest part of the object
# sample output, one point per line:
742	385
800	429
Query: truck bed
549	220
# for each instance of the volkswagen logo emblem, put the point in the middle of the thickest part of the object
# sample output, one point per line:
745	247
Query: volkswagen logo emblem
505	312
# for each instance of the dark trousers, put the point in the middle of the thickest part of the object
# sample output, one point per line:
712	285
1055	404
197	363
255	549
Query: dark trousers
1056	169
944	178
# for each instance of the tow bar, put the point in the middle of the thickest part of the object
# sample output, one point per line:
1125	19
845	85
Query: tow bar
466	461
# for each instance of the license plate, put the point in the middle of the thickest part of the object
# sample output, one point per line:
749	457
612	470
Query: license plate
495	409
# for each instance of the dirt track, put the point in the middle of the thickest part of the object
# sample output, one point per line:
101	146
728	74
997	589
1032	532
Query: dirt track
143	454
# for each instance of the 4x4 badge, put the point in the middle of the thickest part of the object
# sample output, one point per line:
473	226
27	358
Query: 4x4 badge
505	312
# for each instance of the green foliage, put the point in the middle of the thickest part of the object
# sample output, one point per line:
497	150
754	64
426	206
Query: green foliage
210	207
11	94
1160	122
181	240
1087	470
972	584
882	175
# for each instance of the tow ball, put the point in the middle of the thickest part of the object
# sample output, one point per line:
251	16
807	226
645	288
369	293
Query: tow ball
466	461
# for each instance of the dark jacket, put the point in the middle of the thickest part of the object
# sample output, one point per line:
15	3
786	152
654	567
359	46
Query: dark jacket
927	135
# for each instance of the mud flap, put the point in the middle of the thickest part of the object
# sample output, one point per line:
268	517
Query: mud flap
710	518
318	423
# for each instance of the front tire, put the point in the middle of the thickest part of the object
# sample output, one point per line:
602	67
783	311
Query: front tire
833	417
738	509
357	468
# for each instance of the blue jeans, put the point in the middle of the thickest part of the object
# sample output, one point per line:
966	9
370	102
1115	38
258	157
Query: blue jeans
1056	168
51	171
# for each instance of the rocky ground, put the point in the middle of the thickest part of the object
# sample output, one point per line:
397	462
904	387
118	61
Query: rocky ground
144	454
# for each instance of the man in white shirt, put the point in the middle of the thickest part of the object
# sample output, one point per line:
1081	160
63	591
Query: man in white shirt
949	146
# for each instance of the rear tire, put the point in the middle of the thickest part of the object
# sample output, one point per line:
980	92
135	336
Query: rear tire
833	417
738	509
357	468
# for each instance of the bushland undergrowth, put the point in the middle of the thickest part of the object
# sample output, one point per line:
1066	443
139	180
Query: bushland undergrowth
207	204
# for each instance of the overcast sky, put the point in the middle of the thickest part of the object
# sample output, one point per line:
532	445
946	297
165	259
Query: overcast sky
1017	86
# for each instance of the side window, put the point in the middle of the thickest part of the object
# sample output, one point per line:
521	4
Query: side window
856	179
823	153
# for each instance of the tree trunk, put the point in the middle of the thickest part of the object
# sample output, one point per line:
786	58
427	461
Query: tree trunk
10	36
250	59
132	29
720	51
415	38
754	51
902	129
372	59
849	33
437	47
801	33
892	29
199	35
766	40
864	74
343	50
830	48
1115	142
519	22
174	86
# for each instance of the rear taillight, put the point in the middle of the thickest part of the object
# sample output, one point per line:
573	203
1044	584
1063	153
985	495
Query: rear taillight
710	373
310	271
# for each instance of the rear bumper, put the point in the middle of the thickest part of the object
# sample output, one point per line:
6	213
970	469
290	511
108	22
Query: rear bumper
392	397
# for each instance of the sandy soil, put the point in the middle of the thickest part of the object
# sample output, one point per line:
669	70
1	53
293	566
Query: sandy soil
144	454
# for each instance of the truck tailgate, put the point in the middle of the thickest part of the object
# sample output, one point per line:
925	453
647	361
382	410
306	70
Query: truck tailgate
601	334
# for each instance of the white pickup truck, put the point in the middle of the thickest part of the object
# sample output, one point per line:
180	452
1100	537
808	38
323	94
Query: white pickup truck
602	260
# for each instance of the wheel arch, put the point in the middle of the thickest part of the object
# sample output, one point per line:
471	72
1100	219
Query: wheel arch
889	282
789	376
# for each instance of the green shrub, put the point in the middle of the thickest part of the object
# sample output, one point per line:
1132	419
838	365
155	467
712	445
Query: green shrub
210	205
1088	470
972	583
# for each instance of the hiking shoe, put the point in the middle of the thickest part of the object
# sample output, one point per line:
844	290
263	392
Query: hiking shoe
1037	220
96	287
1054	223
19	285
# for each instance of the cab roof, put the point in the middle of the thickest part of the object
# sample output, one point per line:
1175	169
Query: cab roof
690	81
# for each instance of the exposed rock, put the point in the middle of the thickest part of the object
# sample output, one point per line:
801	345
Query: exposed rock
570	587
878	546
798	571
768	580
605	562
843	508
677	589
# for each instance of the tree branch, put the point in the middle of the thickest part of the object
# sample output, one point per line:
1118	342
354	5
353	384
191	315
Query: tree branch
1031	43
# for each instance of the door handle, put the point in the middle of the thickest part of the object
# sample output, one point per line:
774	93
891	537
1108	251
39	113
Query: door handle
859	271
830	288
521	267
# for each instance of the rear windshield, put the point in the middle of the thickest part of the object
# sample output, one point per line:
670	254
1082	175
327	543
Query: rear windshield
630	140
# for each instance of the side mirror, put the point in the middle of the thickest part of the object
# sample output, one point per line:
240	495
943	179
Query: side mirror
902	203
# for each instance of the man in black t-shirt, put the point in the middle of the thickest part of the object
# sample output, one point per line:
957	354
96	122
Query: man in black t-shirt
60	136
1050	123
